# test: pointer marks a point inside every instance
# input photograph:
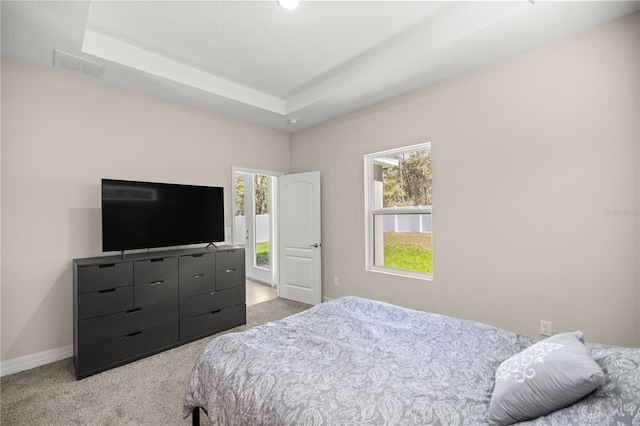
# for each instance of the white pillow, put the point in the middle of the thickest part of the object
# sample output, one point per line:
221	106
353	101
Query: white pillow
551	374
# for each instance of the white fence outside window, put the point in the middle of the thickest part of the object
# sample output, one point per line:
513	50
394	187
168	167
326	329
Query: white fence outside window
414	223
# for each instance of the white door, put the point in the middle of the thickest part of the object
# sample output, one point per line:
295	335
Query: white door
300	245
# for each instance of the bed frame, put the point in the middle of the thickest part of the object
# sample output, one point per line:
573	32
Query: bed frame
195	417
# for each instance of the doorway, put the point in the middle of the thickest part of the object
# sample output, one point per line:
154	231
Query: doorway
254	200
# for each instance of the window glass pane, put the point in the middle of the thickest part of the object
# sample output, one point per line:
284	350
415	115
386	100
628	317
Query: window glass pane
405	178
261	203
403	242
239	228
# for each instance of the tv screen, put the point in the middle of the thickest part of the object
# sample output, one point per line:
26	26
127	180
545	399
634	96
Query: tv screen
138	215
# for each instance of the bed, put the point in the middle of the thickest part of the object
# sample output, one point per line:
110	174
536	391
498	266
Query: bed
354	361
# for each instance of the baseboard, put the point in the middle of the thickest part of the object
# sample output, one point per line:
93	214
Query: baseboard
28	362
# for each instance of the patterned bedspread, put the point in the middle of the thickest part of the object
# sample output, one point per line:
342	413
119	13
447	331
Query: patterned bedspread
355	361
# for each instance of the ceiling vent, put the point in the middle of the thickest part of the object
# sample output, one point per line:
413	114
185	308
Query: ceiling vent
77	65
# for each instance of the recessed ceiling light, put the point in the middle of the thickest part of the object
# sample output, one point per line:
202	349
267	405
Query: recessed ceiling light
289	4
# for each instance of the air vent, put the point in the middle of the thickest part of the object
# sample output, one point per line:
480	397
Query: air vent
77	65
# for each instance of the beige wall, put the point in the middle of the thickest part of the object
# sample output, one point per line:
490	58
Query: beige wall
528	155
60	135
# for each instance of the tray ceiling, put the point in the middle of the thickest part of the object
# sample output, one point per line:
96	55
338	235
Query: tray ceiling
257	62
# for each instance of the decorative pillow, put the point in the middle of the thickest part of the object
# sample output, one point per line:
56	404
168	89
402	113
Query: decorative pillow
551	374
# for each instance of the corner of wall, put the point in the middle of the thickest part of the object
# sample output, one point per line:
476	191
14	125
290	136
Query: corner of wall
638	130
0	208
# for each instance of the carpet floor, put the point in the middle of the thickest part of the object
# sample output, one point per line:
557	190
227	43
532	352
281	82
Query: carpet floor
145	392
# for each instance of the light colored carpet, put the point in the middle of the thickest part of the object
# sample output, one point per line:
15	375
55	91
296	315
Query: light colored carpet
145	392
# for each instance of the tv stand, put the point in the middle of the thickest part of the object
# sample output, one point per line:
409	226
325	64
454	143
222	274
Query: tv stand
128	308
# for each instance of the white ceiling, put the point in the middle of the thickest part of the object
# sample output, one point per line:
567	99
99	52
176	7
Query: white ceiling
259	63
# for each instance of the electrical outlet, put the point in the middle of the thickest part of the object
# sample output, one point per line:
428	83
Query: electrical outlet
336	282
545	328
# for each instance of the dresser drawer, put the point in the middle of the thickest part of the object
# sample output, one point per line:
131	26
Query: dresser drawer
229	278
229	259
197	264
199	284
160	269
210	323
120	350
155	292
104	277
105	302
197	274
210	302
107	327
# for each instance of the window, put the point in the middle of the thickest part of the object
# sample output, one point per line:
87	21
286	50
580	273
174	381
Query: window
398	211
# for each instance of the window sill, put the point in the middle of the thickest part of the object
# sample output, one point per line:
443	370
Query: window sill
401	273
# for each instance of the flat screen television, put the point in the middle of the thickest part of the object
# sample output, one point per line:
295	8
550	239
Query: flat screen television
138	215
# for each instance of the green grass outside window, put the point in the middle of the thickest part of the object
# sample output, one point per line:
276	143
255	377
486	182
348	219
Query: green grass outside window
408	251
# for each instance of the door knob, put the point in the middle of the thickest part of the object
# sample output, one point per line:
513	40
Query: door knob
316	245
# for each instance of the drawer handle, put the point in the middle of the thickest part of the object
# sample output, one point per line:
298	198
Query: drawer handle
132	310
111	290
198	276
133	334
156	283
198	255
230	270
107	265
214	293
161	259
215	312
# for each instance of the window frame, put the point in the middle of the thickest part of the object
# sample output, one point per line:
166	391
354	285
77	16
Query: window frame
371	213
